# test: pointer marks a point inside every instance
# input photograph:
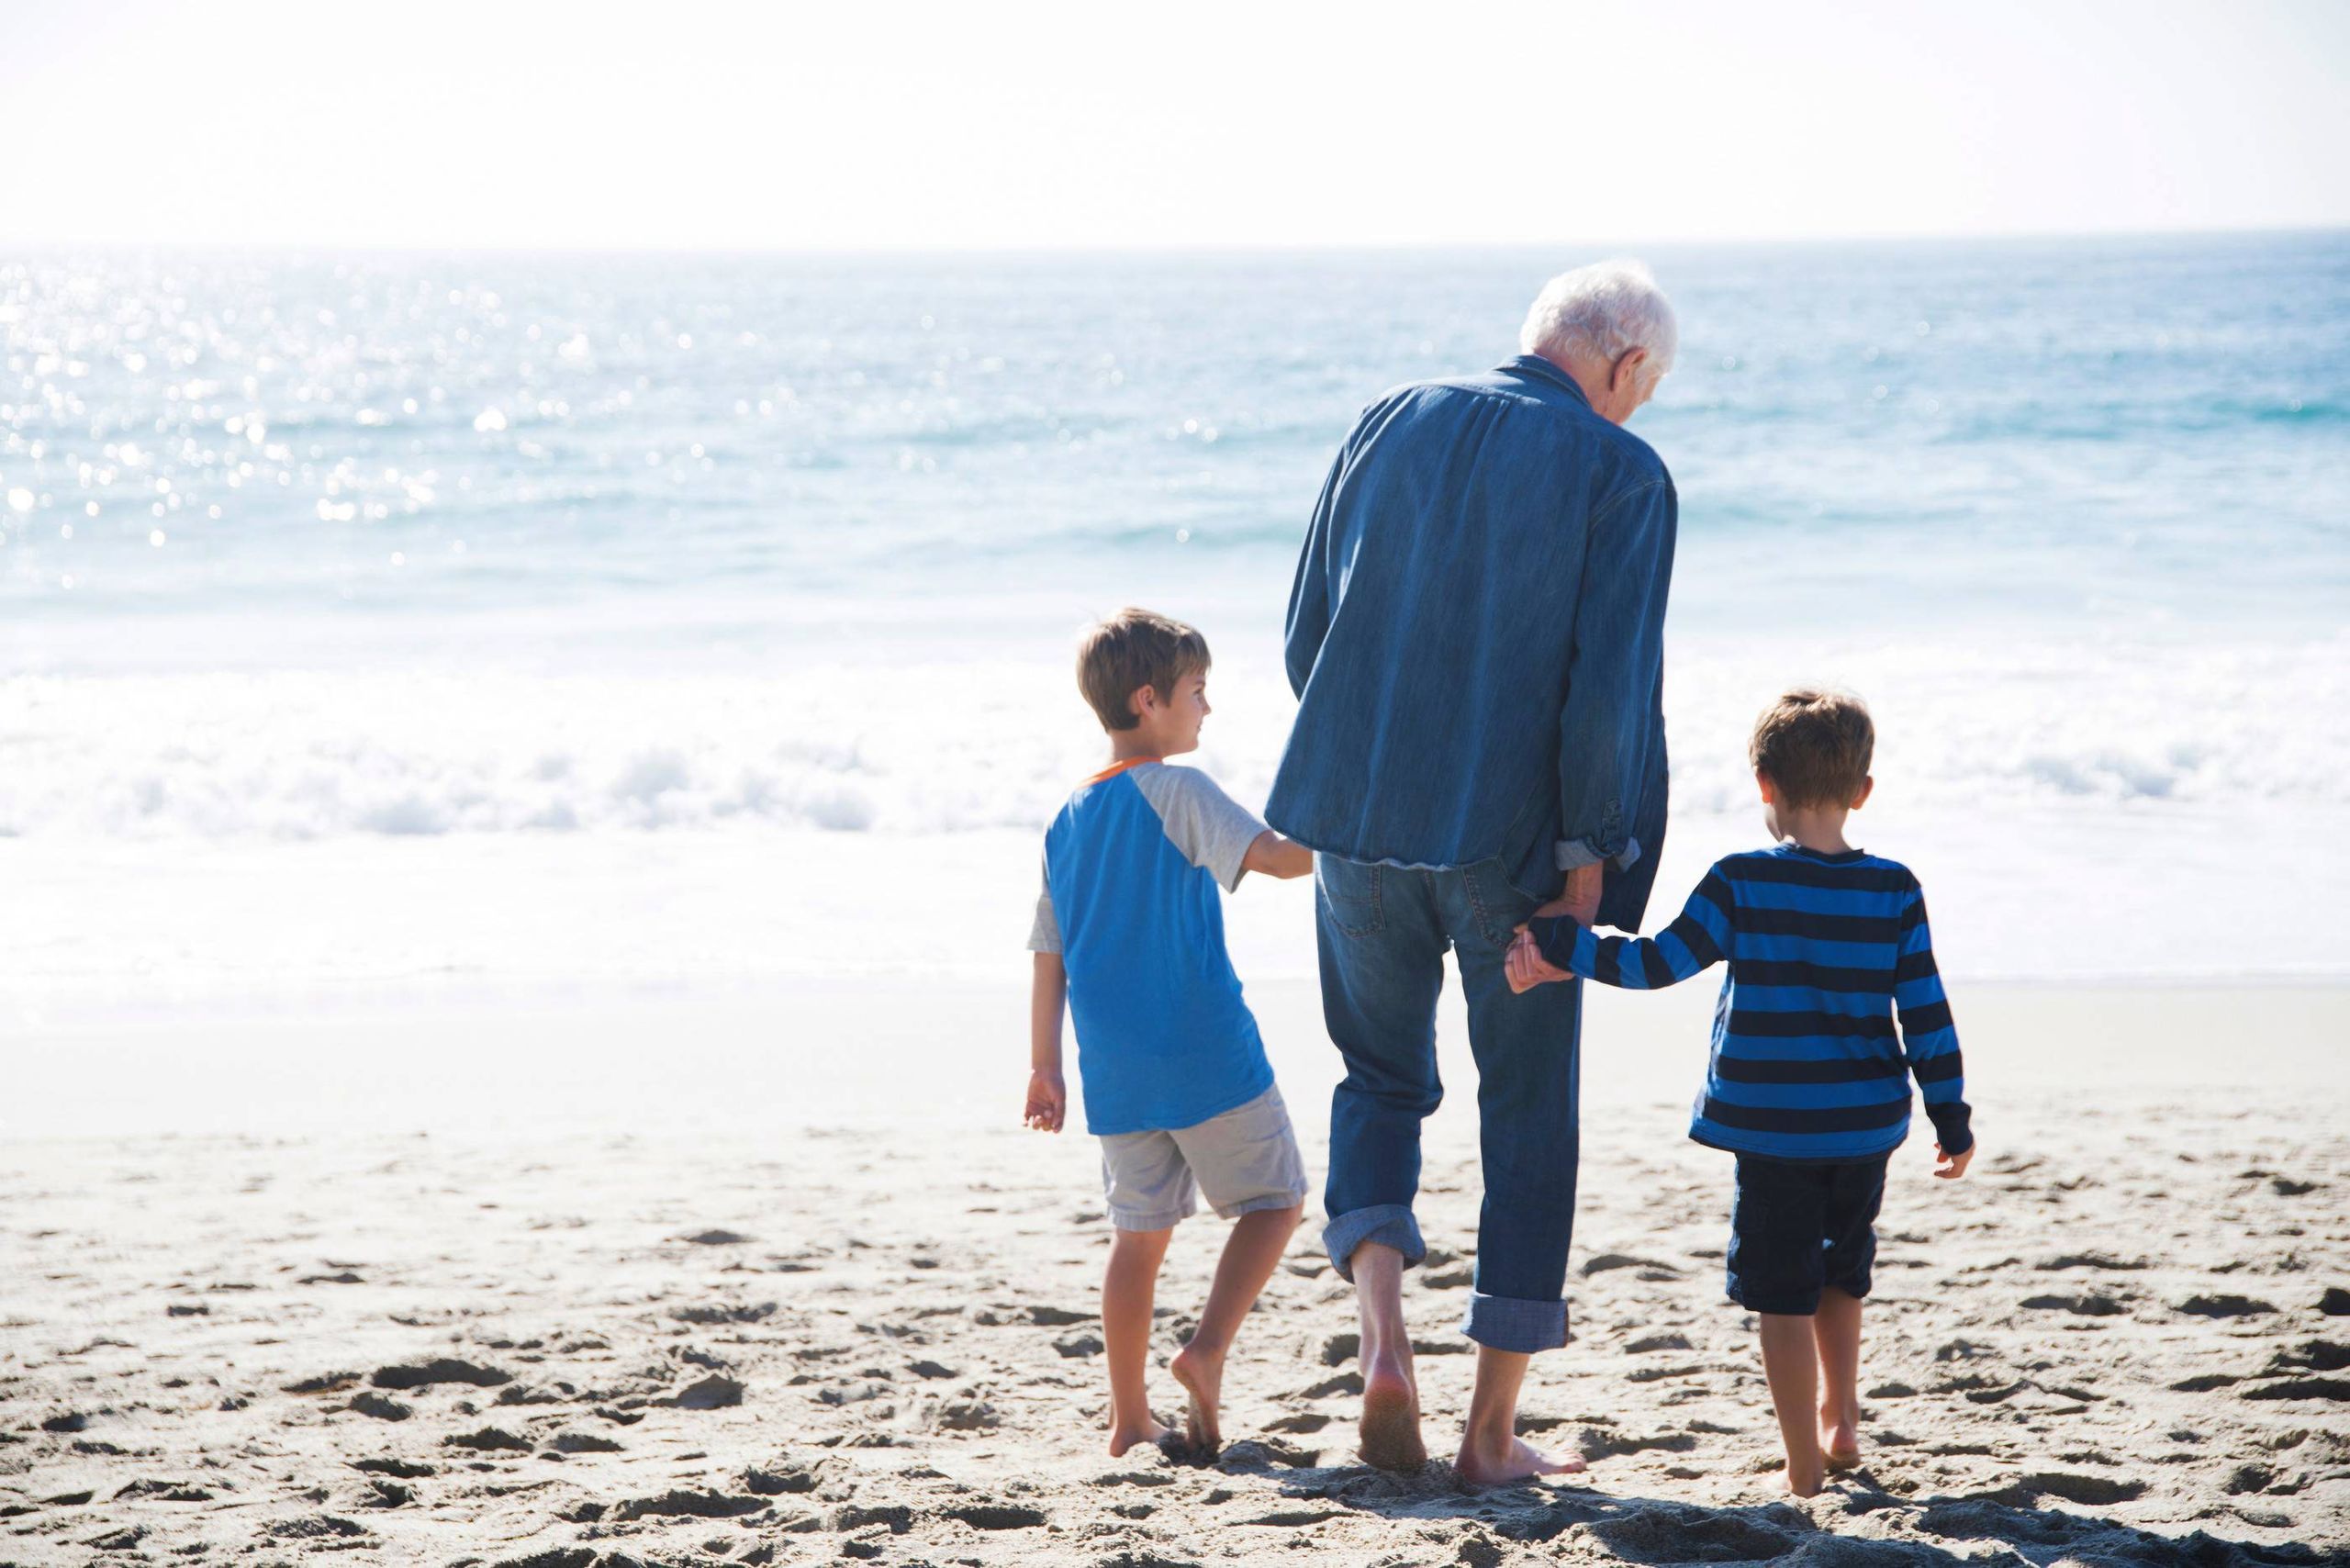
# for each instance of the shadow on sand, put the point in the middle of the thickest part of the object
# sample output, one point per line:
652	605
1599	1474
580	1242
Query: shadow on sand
1856	1521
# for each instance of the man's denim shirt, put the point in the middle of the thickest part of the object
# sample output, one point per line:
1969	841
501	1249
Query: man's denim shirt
1476	640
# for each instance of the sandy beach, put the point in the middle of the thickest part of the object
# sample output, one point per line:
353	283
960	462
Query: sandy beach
761	1325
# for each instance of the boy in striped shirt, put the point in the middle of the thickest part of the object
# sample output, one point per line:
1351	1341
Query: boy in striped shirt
1808	1083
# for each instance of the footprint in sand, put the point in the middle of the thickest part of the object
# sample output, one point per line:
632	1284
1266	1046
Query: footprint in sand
2089	1303
682	1504
1596	1445
713	1392
996	1516
489	1439
2329	1388
423	1374
1300	1424
1345	1383
721	1313
788	1480
1668	1534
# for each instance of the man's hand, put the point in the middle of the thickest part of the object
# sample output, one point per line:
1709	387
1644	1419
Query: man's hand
1047	1102
1951	1167
1580	902
1527	968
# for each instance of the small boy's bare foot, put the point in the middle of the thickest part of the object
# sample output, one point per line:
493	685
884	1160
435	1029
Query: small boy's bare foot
1148	1431
1201	1372
1483	1465
1839	1440
1390	1419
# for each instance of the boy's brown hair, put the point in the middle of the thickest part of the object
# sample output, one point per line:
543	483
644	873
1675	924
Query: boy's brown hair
1130	650
1814	746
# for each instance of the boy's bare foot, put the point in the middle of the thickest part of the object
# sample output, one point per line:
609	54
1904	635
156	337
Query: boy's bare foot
1840	1438
1521	1460
1805	1479
1391	1417
1148	1431
1201	1372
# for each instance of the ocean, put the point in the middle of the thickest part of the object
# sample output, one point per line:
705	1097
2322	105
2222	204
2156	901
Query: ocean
518	621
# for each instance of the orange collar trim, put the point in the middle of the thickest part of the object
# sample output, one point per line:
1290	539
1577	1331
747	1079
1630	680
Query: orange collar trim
1117	768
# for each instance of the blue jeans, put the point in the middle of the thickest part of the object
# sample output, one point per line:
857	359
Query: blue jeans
1382	932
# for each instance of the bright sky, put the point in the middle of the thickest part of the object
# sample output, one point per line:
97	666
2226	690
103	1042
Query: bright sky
678	124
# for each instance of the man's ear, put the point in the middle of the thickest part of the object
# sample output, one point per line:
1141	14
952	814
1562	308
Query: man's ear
1867	784
1627	374
1770	792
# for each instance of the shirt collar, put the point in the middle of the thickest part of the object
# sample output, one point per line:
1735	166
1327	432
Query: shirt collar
1789	847
1117	768
1535	365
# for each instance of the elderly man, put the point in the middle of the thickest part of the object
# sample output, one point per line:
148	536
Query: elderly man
1475	638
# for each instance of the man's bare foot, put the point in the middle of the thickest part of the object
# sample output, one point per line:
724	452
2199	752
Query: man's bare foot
1149	1430
1391	1417
1201	1372
1494	1464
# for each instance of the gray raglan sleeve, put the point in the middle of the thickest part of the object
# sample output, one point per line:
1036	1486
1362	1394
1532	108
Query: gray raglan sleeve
1212	830
1044	935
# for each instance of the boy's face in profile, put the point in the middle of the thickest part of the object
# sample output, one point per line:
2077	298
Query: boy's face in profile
1171	723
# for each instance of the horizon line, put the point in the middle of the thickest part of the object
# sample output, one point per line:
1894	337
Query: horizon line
1029	250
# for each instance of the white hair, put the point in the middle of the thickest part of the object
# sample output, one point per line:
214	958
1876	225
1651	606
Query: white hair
1603	311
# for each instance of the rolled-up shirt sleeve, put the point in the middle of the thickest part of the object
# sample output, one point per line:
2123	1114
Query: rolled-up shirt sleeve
1606	727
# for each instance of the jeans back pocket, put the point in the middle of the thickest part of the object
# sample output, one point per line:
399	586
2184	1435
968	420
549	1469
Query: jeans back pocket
1349	894
1500	906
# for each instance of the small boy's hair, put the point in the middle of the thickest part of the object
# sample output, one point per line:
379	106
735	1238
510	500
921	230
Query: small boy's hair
1124	653
1814	746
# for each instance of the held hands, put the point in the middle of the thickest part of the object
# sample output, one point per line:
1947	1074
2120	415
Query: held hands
1048	1102
1951	1167
1527	968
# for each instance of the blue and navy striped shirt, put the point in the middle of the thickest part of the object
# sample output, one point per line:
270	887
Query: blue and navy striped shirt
1824	951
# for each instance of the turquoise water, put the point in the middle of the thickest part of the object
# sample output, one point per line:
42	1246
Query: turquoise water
2109	431
309	547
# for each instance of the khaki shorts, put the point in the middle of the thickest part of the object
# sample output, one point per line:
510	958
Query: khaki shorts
1244	1160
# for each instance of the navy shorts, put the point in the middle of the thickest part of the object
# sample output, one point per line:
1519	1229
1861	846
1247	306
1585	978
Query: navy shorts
1795	1228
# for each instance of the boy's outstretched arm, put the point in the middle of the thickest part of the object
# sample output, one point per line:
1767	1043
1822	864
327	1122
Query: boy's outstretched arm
1551	947
1270	854
1047	1104
1930	1041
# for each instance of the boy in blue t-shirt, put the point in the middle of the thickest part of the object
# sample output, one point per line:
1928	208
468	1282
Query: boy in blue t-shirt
1809	1085
1129	933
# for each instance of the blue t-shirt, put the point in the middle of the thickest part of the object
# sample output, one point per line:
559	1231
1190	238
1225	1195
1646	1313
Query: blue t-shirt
1132	867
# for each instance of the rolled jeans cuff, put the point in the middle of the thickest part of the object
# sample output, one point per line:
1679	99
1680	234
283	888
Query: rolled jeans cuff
1390	1225
1576	853
1513	1323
